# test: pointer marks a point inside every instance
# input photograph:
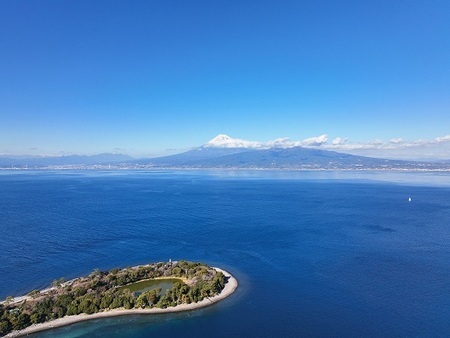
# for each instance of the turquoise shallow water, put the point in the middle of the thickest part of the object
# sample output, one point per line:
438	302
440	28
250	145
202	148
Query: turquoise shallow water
316	254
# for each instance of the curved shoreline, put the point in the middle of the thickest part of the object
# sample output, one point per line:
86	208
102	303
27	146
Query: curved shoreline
229	288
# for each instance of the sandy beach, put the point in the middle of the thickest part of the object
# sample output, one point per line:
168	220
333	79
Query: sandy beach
229	288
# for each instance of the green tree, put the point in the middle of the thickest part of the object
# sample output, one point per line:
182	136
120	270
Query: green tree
58	282
36	318
142	300
72	308
20	321
5	327
89	304
106	300
34	293
153	297
79	291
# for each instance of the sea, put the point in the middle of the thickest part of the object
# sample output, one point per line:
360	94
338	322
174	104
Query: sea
316	254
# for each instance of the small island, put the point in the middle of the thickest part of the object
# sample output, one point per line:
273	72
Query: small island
147	289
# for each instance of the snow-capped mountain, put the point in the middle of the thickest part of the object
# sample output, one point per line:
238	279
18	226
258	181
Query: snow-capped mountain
227	152
225	141
219	146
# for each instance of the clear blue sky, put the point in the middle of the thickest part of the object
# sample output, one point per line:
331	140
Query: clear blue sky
142	77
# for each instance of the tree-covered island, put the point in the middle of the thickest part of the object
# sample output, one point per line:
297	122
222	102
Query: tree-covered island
110	290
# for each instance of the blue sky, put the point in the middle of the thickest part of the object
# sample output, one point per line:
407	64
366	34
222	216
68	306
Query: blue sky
156	77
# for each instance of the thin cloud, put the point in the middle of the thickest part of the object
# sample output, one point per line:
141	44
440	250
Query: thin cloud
279	143
397	140
394	143
315	141
339	141
394	147
438	148
442	139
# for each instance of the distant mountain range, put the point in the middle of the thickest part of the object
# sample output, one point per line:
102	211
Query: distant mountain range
48	161
224	152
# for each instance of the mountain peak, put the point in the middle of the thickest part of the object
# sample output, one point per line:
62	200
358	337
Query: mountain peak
221	138
225	141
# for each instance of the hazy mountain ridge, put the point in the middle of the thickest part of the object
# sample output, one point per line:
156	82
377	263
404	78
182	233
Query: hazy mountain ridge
224	152
44	161
276	158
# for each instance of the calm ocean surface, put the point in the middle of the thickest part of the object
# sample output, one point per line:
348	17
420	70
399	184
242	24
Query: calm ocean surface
316	254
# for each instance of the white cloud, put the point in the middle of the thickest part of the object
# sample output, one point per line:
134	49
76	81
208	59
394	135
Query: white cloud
224	141
397	140
393	148
377	143
437	148
442	139
339	141
315	141
282	142
285	142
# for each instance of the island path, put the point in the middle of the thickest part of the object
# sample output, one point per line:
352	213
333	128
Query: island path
229	288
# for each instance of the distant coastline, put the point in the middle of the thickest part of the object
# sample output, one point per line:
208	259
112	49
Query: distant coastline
229	287
431	168
226	153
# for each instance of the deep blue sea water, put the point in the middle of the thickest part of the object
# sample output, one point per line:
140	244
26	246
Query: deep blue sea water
316	254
